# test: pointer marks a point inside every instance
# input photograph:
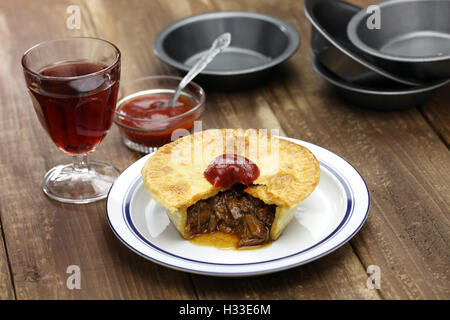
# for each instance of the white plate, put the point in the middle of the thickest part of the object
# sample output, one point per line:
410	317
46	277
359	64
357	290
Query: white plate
326	220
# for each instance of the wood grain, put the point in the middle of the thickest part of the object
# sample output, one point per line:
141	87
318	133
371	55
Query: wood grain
339	275
437	113
401	155
6	286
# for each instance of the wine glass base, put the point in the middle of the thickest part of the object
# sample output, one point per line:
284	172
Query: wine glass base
65	184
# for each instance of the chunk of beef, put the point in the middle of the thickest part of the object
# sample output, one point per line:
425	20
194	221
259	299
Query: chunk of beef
254	232
266	214
198	217
212	223
232	211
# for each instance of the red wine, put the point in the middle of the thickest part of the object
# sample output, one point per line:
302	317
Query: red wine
75	104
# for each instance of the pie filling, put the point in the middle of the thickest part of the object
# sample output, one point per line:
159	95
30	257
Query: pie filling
232	211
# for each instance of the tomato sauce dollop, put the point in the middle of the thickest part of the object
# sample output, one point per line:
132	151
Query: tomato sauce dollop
156	130
229	169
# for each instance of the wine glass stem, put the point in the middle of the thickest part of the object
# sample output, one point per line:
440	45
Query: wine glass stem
80	163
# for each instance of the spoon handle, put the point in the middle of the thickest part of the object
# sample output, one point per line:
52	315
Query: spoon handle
222	42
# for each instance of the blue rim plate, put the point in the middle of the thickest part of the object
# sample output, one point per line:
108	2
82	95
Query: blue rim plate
326	220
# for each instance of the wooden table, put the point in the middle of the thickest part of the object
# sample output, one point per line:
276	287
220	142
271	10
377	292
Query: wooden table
403	156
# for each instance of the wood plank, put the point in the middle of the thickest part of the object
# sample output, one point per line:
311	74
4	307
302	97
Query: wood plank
45	237
437	112
6	287
338	275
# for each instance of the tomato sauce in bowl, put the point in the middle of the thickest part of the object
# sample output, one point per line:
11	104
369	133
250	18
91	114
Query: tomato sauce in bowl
146	123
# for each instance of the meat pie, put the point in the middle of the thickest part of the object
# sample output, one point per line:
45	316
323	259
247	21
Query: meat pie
251	192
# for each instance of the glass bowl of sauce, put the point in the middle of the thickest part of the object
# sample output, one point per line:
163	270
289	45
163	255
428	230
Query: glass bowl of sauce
145	122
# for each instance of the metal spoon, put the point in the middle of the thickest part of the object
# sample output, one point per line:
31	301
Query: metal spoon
222	42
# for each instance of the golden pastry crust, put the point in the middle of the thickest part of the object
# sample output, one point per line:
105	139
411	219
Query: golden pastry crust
174	174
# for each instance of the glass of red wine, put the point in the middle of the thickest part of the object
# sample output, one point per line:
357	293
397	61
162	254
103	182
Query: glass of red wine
73	84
